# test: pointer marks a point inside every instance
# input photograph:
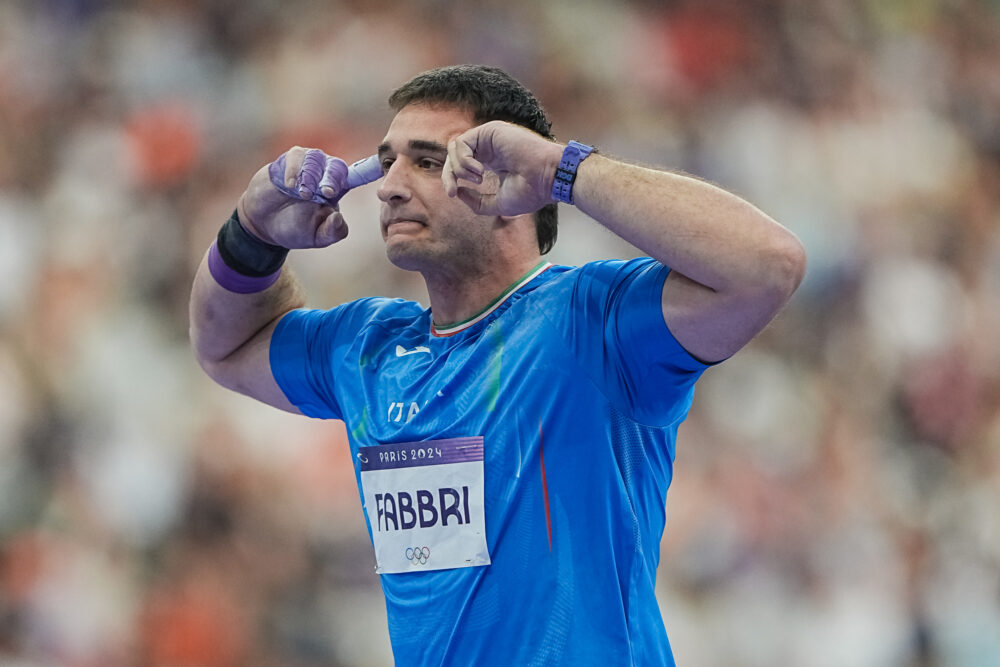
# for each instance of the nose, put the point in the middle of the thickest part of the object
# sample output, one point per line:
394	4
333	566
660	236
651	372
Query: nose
395	185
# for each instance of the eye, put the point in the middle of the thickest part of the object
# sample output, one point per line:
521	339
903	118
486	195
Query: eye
386	163
428	163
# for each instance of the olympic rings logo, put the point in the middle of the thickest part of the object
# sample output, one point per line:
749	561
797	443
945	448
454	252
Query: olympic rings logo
418	555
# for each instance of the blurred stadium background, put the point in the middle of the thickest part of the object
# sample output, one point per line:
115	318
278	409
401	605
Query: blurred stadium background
837	486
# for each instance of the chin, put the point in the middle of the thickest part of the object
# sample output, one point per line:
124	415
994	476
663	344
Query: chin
406	258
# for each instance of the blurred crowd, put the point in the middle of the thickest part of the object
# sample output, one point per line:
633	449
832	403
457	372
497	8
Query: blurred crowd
837	486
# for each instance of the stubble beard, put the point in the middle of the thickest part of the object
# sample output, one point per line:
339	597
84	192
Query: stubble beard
465	258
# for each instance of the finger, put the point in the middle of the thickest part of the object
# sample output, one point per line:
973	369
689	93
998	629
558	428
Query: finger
276	172
282	172
461	152
334	181
481	203
448	178
293	163
331	230
310	173
364	171
459	164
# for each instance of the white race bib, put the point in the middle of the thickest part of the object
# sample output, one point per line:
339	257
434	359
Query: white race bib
424	502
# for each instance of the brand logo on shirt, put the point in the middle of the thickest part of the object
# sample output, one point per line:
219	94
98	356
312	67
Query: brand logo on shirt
402	351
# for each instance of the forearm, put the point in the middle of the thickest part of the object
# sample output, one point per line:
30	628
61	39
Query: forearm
701	231
222	321
241	289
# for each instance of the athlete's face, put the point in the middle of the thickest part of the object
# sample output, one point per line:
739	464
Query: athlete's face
423	228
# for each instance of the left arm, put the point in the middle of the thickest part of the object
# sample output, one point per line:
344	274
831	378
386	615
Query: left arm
732	266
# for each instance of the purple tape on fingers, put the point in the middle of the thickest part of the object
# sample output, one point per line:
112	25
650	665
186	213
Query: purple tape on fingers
318	171
322	171
335	178
313	169
364	171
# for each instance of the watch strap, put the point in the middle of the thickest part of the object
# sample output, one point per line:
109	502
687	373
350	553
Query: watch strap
573	155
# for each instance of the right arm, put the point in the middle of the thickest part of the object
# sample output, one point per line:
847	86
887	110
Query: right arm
231	332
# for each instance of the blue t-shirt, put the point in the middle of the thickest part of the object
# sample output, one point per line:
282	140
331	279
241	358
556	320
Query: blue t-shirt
577	388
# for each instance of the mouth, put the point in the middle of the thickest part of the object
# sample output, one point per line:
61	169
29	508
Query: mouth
402	225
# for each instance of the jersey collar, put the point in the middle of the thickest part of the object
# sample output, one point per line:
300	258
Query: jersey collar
453	329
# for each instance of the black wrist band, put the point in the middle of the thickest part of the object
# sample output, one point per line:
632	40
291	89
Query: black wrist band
246	254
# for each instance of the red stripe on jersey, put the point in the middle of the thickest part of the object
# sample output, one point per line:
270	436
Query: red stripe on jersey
545	486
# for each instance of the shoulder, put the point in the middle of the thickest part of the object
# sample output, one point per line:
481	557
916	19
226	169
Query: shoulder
389	312
349	319
622	268
605	267
606	276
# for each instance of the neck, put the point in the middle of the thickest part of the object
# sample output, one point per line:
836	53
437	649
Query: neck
455	299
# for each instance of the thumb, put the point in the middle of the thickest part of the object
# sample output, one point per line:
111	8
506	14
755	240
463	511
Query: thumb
331	230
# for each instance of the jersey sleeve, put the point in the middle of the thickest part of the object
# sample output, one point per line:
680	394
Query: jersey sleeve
308	350
617	327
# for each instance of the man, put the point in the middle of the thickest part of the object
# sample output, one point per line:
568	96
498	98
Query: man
514	442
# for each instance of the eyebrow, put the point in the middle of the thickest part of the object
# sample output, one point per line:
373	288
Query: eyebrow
415	146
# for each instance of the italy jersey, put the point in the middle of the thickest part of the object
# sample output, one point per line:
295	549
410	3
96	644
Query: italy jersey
513	469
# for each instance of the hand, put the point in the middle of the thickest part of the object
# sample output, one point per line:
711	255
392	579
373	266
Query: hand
524	163
292	202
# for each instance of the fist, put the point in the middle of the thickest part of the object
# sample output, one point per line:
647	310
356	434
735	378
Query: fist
292	202
524	162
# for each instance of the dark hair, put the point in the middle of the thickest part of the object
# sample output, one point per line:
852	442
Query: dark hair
491	94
